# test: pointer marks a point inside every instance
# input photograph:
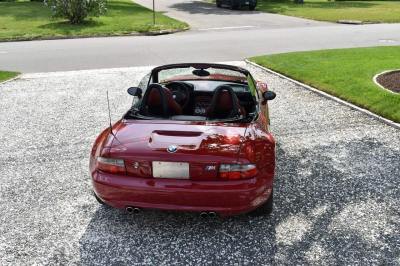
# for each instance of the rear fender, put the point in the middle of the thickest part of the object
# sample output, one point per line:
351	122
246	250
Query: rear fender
103	144
258	147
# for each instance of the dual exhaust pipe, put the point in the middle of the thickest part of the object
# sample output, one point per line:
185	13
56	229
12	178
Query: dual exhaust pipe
136	210
208	214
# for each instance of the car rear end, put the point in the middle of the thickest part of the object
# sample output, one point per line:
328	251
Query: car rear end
213	169
250	3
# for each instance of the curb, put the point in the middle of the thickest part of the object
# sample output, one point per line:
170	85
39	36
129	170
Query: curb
150	33
377	83
9	80
353	22
330	97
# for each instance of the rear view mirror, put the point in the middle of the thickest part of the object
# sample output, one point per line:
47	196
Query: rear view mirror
269	95
201	72
135	91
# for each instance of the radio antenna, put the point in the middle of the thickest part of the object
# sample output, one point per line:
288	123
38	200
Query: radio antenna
109	114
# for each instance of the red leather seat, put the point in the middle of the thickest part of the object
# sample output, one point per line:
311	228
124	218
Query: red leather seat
154	103
224	106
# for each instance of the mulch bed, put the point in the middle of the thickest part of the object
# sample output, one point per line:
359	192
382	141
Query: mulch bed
69	23
390	80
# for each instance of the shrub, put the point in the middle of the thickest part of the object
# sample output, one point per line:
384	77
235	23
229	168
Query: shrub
77	10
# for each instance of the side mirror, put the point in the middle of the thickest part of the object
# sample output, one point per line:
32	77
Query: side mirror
268	96
135	91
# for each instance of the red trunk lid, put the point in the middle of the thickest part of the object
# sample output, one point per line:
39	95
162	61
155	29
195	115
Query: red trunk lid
198	143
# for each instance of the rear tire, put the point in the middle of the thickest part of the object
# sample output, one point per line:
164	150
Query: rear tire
232	6
266	208
98	199
252	8
218	3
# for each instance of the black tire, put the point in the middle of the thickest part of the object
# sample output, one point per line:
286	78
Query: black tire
266	208
218	3
98	199
232	6
252	7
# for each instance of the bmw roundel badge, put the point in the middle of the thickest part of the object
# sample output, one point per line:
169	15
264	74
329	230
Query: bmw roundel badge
172	149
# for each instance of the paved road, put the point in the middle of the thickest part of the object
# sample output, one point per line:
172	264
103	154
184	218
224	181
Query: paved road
202	15
274	34
337	187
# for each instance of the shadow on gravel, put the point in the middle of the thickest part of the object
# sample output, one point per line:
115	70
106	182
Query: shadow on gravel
336	203
205	8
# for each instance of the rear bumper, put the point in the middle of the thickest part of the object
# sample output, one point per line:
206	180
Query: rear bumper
245	3
227	198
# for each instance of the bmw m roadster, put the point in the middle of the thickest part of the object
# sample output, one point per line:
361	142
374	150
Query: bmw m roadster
196	138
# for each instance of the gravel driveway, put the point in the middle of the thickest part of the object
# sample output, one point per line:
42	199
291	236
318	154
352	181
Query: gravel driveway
337	188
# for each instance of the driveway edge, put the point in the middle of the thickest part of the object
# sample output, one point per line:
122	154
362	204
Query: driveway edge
150	33
9	80
328	96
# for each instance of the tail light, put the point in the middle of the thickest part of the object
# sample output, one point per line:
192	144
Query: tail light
237	171
111	165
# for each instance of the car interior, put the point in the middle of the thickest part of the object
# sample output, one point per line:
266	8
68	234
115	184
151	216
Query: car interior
195	100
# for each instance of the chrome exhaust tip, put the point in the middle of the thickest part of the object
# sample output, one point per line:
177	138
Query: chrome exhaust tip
134	210
212	214
203	215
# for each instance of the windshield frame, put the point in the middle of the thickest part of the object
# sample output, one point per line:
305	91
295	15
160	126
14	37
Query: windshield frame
155	72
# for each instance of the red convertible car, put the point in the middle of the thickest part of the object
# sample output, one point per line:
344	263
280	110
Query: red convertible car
195	139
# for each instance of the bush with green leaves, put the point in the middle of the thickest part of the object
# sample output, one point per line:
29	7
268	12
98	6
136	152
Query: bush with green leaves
77	10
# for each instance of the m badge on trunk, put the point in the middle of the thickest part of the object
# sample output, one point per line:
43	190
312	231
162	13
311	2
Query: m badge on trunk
210	168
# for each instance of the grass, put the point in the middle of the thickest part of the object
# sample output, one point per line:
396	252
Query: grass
6	75
25	19
345	73
323	10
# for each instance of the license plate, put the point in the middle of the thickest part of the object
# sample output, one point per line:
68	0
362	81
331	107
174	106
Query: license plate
170	170
247	3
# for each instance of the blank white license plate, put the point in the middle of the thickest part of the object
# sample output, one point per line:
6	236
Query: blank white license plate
247	3
171	170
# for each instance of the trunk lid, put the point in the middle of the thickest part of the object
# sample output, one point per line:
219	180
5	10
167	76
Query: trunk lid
203	145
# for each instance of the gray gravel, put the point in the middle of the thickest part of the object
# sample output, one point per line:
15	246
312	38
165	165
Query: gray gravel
337	196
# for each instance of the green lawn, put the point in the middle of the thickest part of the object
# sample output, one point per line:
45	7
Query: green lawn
372	11
24	19
5	75
345	73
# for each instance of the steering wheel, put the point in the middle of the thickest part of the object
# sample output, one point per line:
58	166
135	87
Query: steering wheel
177	92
